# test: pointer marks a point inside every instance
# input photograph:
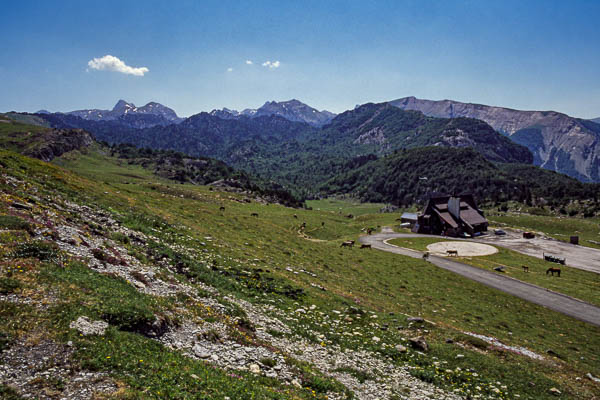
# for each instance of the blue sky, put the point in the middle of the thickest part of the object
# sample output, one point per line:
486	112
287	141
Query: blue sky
332	54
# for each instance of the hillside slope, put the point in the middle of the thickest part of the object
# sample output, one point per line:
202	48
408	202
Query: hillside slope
48	144
411	176
557	141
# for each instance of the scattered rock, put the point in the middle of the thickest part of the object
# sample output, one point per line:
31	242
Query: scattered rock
200	352
555	391
592	378
254	368
376	339
415	319
296	383
87	327
419	343
460	356
401	348
21	206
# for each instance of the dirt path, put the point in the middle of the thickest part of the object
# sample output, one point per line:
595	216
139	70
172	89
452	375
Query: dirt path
555	301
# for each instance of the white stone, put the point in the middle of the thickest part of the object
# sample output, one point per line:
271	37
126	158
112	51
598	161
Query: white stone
87	327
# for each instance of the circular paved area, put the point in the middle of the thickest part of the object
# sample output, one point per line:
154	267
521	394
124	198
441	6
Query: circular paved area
464	249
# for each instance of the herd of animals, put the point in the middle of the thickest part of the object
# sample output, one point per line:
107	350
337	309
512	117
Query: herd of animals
449	252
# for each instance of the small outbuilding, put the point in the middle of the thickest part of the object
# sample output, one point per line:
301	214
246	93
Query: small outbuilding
451	216
409	218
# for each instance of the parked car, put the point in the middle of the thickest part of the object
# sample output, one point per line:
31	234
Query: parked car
499	232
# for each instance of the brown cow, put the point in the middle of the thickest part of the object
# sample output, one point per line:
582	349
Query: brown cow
452	253
552	270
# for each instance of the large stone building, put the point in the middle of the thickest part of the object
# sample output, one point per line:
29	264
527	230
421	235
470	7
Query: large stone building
451	216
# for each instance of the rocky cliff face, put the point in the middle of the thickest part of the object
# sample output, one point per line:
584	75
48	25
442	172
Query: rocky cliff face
56	142
558	142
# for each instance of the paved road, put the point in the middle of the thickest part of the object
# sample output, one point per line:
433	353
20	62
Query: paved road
580	257
555	301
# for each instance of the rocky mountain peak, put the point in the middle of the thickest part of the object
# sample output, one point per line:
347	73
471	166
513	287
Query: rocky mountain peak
122	107
558	142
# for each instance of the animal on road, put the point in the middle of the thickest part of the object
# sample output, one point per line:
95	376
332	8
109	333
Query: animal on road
552	270
425	256
365	246
450	253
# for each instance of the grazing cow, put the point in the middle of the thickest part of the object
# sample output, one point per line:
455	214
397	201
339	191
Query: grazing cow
349	216
365	246
254	215
295	216
552	270
221	208
452	253
322	223
369	231
525	268
349	243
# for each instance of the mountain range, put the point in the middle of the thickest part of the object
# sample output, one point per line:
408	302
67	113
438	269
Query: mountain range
151	114
299	155
558	142
293	110
596	120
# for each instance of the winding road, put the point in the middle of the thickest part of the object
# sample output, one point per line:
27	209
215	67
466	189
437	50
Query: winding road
553	300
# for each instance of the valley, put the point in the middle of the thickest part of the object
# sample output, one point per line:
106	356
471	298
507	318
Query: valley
203	290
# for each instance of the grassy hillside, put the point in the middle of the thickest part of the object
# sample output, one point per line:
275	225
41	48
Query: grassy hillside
158	261
580	284
47	144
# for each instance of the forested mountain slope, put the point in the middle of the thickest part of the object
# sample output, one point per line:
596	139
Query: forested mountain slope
558	142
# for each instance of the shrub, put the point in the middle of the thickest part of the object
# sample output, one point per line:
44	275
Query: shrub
43	251
268	362
8	285
14	223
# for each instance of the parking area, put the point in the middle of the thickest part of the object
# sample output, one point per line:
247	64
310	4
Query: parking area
576	256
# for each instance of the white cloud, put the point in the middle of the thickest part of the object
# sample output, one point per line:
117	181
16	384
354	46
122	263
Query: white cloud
229	69
271	65
249	62
112	63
